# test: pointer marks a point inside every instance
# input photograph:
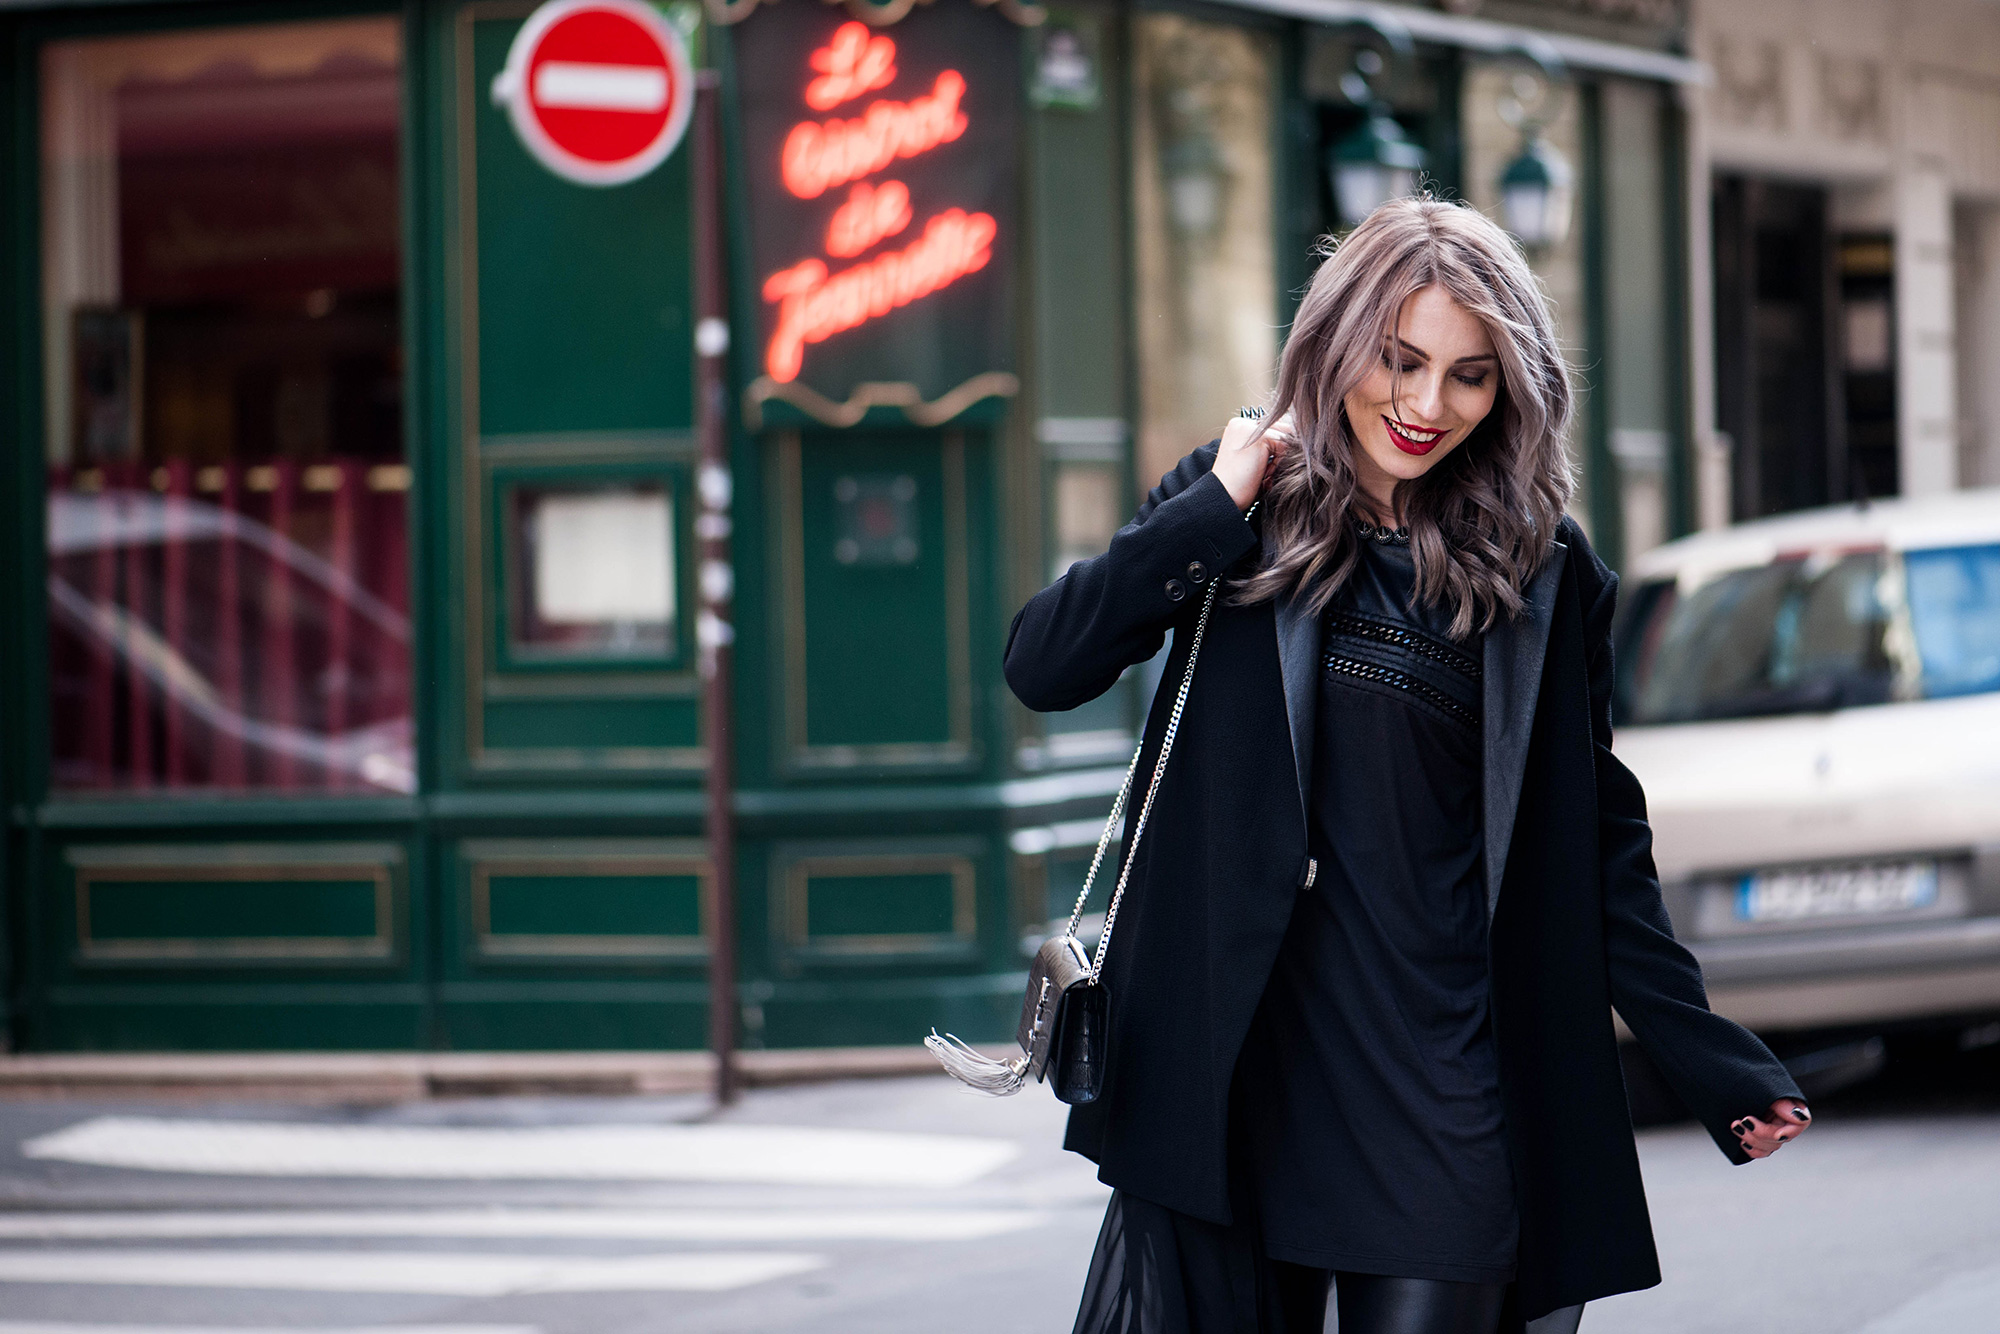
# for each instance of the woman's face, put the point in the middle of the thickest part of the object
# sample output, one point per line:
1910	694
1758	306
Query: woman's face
1434	381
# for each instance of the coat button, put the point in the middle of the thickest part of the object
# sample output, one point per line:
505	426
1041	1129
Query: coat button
1198	572
1176	590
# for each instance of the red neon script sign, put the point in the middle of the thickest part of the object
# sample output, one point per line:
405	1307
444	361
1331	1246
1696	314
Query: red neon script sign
851	64
812	299
815	305
871	213
820	155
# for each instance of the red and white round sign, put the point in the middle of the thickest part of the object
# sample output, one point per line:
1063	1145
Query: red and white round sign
599	90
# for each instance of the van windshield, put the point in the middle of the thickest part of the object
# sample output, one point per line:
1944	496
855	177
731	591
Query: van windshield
1810	634
1797	636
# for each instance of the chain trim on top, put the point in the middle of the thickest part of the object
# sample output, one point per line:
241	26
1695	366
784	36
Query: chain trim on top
1383	632
1389	676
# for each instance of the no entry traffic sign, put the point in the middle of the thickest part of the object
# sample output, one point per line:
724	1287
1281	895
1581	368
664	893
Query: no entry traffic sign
599	90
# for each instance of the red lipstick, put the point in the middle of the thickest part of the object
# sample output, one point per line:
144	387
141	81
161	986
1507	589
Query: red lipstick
1412	439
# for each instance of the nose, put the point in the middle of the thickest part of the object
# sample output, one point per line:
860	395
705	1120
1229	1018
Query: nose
1422	401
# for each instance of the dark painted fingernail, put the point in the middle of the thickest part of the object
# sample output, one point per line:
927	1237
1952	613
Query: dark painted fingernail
1801	1115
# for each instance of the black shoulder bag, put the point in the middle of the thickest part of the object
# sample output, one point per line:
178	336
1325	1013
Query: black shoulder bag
1066	1015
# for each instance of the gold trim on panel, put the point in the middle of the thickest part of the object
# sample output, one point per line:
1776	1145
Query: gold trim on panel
789	606
182	949
488	944
473	480
789	615
476	466
876	394
797	875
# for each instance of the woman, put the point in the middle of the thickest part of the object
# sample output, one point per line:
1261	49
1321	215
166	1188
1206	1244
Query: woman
1395	881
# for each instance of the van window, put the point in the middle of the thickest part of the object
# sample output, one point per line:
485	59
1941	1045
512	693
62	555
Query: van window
1795	636
1955	614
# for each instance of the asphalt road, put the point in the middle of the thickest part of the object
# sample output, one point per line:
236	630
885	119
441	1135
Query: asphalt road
863	1208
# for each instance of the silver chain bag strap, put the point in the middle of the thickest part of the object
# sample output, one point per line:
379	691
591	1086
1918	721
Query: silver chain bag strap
1065	1019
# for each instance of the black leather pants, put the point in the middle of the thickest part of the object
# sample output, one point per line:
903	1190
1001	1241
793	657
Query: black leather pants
1374	1304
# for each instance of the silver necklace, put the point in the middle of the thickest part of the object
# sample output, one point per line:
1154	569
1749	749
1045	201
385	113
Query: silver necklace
1399	536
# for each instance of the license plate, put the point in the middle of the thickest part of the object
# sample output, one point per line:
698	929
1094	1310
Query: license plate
1836	891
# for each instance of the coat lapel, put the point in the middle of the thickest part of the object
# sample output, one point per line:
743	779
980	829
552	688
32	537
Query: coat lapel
1513	676
1298	654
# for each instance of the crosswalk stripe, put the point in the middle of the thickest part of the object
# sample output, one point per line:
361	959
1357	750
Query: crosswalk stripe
709	1225
440	1274
63	1327
775	1155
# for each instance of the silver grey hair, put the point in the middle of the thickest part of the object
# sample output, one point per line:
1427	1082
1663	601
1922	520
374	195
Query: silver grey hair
1481	522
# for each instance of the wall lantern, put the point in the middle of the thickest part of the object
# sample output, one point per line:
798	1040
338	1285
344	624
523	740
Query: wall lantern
1537	194
1372	164
1536	197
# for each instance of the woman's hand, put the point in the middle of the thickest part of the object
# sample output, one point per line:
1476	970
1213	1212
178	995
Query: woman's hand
1243	463
1762	1136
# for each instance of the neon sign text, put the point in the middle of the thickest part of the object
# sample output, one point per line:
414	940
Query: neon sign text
814	305
851	64
821	155
870	213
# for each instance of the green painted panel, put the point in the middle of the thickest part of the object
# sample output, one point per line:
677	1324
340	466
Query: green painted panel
875	905
595	905
1066	871
592	724
878	666
1079	267
226	909
585	293
250	1018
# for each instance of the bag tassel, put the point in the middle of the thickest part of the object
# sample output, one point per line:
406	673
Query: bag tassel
976	1070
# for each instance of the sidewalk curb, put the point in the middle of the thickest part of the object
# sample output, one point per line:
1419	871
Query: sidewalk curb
386	1077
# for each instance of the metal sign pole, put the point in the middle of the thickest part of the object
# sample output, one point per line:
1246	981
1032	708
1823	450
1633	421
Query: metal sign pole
715	633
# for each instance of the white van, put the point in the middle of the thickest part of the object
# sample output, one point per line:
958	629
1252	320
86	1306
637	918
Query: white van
1813	705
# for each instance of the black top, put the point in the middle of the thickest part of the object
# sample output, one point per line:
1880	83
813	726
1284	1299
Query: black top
1372	1108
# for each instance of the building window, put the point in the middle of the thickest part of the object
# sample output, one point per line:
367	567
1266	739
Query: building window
1204	215
228	567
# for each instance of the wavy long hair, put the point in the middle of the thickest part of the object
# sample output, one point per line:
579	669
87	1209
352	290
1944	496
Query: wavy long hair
1481	522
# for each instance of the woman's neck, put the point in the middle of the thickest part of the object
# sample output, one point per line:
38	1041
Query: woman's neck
1378	510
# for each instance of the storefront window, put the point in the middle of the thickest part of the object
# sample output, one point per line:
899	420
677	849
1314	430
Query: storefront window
228	566
1089	505
1204	199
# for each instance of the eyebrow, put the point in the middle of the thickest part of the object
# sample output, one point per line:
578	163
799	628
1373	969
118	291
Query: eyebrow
1416	351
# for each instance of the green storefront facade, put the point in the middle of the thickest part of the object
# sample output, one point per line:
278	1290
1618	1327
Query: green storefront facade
350	496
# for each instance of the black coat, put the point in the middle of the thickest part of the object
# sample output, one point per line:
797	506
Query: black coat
1573	900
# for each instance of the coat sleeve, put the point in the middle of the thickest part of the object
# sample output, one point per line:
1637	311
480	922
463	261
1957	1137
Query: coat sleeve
1072	640
1720	1069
